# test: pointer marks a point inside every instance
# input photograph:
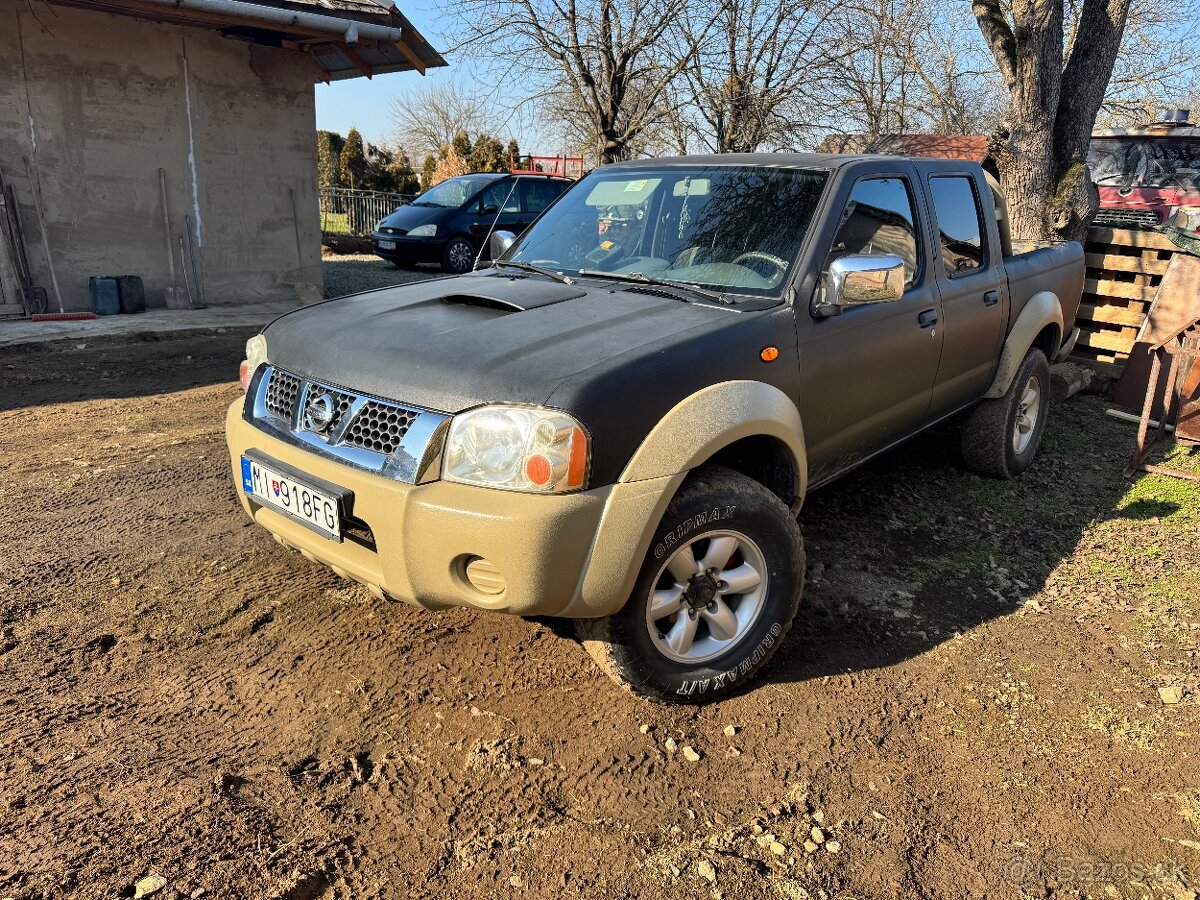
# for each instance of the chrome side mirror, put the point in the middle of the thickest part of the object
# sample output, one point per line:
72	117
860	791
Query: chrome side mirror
861	278
499	243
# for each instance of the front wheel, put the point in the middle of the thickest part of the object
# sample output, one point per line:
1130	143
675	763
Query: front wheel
459	256
715	595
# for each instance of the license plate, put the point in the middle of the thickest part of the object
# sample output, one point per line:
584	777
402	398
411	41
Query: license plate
284	493
387	245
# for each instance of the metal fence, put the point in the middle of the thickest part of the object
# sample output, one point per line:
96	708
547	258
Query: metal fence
354	213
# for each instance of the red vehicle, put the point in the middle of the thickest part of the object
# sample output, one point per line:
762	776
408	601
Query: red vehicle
1148	176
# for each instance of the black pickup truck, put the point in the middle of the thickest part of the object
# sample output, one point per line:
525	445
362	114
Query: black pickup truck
618	419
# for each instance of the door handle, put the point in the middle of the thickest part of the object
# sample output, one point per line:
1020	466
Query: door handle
991	298
928	318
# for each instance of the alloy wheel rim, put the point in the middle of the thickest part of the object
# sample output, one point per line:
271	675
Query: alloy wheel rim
1028	409
707	597
460	256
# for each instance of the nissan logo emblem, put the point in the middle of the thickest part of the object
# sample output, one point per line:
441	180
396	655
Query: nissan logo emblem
318	414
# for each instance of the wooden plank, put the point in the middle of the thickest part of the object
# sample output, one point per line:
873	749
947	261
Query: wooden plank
411	55
355	57
1103	287
1124	237
1119	341
1112	315
1115	262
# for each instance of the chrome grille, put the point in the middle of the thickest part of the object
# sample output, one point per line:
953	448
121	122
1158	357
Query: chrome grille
282	391
1120	216
366	431
379	427
341	403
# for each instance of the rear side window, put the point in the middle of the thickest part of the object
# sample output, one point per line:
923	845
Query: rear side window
539	193
960	221
502	192
879	219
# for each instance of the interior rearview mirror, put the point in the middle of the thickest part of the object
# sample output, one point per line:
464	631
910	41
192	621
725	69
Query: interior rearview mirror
861	278
499	242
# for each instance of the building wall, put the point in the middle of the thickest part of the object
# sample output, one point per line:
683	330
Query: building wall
93	106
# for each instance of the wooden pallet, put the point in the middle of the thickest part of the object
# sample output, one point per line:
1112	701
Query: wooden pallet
1124	270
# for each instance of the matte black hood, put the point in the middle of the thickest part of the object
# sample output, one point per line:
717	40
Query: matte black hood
453	343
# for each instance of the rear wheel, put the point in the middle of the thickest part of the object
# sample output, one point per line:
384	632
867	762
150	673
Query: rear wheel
716	593
1001	437
459	256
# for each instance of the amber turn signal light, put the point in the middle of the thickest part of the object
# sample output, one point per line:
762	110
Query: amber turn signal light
769	354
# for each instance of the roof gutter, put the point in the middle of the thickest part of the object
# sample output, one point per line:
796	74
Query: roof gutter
348	30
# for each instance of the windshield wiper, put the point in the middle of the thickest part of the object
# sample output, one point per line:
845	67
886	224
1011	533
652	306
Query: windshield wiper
530	267
640	278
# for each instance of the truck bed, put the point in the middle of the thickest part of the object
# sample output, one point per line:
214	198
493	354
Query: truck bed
1056	267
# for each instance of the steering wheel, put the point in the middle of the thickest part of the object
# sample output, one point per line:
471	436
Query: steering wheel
770	258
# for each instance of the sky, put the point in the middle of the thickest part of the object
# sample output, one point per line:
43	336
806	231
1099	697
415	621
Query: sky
365	104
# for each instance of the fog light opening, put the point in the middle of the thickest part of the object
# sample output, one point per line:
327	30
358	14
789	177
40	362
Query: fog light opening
483	575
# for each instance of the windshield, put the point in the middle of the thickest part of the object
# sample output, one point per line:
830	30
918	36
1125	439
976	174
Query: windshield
1142	162
736	229
453	192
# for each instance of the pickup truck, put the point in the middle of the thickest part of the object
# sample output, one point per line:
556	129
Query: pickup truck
618	419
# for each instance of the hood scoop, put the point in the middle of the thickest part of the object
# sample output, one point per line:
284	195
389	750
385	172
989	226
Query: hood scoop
484	301
497	292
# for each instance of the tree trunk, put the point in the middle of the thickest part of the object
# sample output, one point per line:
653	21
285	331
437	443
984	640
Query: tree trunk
1041	148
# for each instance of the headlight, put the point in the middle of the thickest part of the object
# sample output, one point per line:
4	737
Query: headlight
256	355
423	231
517	448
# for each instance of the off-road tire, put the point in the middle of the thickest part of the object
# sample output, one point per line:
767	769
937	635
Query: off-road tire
713	500
987	433
454	259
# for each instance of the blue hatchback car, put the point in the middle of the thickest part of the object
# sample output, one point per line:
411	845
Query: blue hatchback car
449	223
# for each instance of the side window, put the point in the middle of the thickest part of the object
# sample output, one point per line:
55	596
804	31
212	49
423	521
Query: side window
879	219
956	206
539	193
502	192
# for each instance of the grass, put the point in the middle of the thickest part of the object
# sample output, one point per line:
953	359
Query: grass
335	223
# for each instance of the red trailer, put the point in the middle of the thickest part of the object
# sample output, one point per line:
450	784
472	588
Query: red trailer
562	166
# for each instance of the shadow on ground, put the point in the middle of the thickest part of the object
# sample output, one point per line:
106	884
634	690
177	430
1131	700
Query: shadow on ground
913	549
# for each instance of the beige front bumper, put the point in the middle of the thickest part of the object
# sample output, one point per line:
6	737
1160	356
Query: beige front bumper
568	554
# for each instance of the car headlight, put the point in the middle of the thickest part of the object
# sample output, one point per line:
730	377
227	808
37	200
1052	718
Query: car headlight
256	355
423	231
517	448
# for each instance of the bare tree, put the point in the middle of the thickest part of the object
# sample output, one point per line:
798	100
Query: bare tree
427	119
1053	98
1159	62
598	60
753	70
906	66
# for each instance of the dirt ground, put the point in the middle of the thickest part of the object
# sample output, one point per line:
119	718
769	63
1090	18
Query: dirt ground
972	703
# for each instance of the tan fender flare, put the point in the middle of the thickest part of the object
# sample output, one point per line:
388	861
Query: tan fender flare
711	419
686	437
1042	309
